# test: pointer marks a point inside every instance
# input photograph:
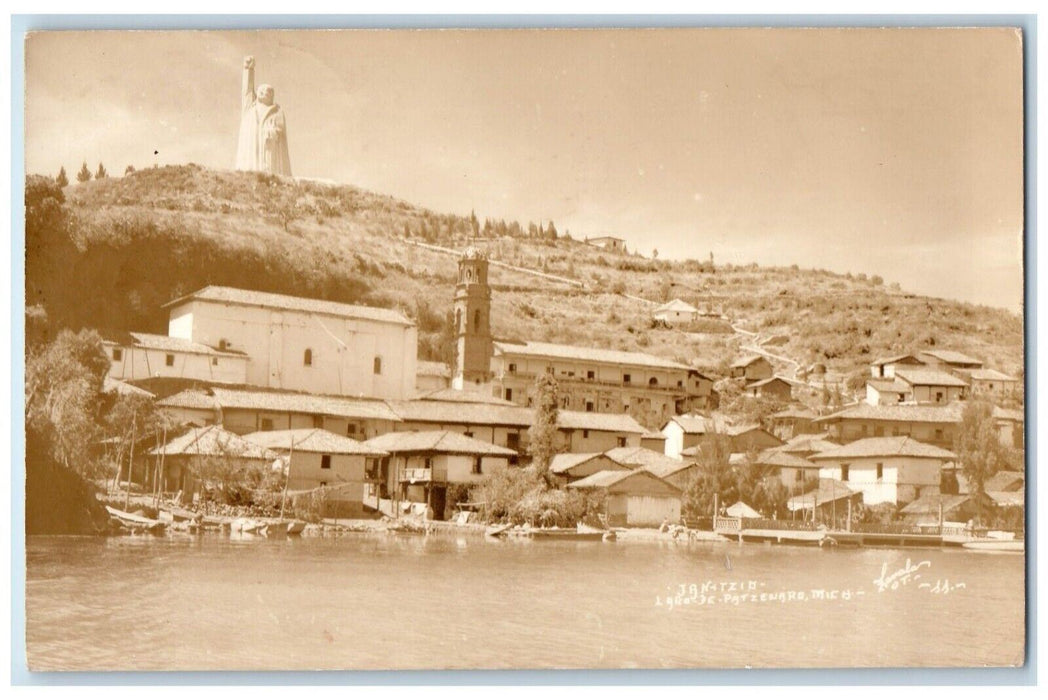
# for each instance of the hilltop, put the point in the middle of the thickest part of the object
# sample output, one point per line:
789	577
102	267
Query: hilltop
115	250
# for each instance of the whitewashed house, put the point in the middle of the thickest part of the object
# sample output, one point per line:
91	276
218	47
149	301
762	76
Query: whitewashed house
145	356
894	470
932	386
676	312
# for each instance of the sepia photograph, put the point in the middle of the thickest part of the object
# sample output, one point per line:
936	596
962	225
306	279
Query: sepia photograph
524	349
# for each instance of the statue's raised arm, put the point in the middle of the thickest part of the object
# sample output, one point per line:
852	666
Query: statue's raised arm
247	91
262	145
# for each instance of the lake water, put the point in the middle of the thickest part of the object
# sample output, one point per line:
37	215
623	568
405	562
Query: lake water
412	602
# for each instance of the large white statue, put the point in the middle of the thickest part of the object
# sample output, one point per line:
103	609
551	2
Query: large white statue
263	131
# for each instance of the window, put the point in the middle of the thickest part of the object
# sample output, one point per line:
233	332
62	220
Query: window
938	434
512	367
844	472
325	461
589	407
620	441
477	465
378	365
680	383
323	484
267	424
428	463
653	382
590	374
468	434
513	441
625	379
880	471
938	397
169	360
214	362
585	433
307	357
509	394
799	476
118	354
476	321
223	344
318	422
351	429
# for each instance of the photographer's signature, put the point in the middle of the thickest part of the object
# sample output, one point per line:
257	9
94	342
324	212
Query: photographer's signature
910	573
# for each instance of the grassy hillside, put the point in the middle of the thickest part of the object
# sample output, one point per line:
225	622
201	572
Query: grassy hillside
117	249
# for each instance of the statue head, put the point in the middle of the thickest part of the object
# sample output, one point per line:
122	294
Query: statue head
264	94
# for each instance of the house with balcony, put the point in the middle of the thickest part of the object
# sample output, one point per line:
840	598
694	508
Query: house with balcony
422	466
595	380
932	386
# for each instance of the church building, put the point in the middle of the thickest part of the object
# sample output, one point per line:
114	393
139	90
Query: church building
647	387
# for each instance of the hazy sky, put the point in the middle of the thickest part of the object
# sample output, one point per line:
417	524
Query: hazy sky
891	152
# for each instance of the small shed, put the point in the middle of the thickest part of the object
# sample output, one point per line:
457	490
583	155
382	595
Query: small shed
654	441
752	368
775	388
634	499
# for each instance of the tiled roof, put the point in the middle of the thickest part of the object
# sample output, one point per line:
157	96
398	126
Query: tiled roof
606	479
950	413
468	395
214	441
1003	481
952	357
437	441
778	458
432	369
462	413
928	504
771	380
572	352
829	490
609	422
562	463
282	402
896	359
990	375
247	297
894	386
928	377
677	305
746	361
808	444
111	385
655	462
311	440
900	446
190	398
165	343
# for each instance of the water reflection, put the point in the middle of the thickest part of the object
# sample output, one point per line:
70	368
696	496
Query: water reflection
368	601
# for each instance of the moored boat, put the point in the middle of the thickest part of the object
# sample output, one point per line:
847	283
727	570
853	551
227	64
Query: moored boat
135	522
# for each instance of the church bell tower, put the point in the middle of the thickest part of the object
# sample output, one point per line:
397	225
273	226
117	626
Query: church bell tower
472	321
